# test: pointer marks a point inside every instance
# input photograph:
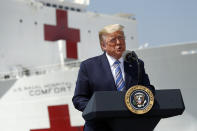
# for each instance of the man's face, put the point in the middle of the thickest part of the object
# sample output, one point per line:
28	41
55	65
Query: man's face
114	44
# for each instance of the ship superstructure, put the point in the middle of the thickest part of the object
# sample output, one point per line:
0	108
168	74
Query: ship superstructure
42	45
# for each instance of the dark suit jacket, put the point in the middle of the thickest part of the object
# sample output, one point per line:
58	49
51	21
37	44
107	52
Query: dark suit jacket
95	75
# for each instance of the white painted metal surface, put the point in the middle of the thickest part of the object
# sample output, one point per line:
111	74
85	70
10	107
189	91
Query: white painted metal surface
169	68
23	48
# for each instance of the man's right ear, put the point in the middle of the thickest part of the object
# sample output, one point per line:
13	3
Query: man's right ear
103	46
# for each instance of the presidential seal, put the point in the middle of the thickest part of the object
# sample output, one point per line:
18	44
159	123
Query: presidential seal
139	99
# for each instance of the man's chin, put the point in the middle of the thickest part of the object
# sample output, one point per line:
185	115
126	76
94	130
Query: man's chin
119	53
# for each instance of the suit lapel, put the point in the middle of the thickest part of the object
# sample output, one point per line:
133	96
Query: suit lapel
129	69
107	69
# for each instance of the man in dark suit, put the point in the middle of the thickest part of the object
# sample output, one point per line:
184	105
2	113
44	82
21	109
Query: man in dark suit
107	72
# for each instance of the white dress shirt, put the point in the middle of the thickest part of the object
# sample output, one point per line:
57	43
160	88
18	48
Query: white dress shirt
111	61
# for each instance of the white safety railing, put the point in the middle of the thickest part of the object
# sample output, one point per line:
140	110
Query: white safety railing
29	71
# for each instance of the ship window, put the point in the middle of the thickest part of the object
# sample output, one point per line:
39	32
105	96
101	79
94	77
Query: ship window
21	21
78	10
55	6
66	8
73	9
60	6
48	4
6	76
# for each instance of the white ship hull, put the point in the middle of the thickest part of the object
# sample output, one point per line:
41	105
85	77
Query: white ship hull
171	67
24	105
30	91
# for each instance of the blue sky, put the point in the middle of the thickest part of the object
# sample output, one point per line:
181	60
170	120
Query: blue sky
159	21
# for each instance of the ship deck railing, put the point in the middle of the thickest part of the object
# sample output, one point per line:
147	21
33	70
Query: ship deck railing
30	71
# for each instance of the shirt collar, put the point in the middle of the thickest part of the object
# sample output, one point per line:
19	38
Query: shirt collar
112	59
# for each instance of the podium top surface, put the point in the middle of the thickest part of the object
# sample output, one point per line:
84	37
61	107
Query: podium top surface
109	104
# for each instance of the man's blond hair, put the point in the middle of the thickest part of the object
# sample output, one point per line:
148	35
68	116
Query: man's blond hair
108	30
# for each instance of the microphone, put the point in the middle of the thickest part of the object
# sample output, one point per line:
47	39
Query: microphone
131	57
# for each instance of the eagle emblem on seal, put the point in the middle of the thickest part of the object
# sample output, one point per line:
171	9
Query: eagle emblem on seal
139	100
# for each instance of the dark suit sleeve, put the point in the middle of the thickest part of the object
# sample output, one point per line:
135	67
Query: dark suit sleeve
82	92
144	80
